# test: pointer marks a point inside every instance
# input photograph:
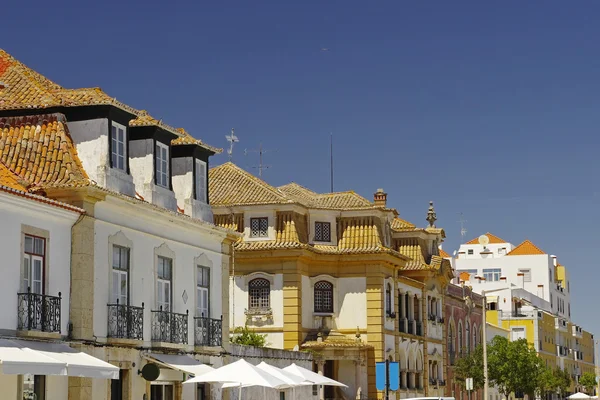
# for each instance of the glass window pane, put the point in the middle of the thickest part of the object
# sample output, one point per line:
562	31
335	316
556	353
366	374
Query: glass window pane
115	286
28	244
38	246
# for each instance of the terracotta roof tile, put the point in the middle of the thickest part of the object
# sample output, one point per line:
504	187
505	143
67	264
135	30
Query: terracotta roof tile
39	150
493	239
398	224
292	189
526	249
10	180
186	138
444	254
228	184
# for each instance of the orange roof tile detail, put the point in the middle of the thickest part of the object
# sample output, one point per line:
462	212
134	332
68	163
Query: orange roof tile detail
8	179
493	239
526	249
39	150
444	254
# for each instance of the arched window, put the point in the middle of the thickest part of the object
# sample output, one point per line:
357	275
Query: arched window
451	339
467	337
388	299
323	297
474	336
460	337
259	292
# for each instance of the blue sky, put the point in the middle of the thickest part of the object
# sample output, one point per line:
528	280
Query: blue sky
488	109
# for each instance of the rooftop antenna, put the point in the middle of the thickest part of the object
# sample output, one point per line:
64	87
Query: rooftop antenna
463	230
231	139
260	152
331	157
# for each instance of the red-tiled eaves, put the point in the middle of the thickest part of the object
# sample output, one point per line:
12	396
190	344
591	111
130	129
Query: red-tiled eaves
41	199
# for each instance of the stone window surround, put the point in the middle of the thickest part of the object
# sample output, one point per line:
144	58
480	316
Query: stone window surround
164	251
327	278
45	234
202	260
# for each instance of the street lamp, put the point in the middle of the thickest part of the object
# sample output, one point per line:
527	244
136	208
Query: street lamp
484	340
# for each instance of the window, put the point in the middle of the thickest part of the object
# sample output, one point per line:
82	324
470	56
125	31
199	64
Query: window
322	232
33	265
161	392
467	337
502	251
474	336
470	251
200	391
34	387
202	291
526	274
200	181
388	299
118	148
259	227
259	292
164	273
162	164
517	333
460	337
492	274
323	297
120	275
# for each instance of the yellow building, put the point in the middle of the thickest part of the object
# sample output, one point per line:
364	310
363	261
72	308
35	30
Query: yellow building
339	276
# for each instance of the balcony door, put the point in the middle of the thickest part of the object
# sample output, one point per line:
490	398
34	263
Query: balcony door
33	265
164	276
202	292
120	276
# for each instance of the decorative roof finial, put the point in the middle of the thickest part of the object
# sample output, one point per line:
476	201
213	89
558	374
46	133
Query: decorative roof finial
357	334
431	215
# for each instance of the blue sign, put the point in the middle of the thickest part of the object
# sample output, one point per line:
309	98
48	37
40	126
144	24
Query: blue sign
380	375
394	375
382	372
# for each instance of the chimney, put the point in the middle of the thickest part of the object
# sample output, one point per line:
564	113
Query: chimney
380	198
554	260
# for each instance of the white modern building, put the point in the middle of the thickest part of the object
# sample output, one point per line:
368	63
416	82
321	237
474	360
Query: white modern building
489	263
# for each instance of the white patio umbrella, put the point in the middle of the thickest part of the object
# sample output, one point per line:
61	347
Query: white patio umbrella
579	396
312	377
241	373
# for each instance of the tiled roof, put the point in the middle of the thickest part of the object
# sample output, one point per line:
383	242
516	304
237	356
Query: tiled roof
186	138
39	150
493	239
10	180
444	254
23	193
228	184
303	194
526	249
23	88
399	224
335	343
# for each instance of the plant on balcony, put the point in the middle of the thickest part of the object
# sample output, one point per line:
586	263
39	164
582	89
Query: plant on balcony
247	337
588	381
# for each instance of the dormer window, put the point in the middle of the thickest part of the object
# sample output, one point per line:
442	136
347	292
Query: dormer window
322	232
200	181
259	227
162	164
118	146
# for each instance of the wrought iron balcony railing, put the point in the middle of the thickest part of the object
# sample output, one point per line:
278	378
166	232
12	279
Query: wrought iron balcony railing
208	331
125	322
169	327
441	382
38	312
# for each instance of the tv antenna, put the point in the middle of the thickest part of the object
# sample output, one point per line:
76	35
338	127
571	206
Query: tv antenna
260	152
232	139
463	230
331	158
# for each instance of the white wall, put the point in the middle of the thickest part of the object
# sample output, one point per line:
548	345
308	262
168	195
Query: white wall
270	214
322	216
16	211
238	303
147	234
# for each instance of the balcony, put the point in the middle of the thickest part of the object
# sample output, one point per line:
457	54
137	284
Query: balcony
125	322
403	325
440	320
562	351
411	327
208	331
169	327
441	382
38	312
432	318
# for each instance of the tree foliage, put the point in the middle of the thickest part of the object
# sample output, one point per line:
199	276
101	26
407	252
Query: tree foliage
588	381
513	367
248	337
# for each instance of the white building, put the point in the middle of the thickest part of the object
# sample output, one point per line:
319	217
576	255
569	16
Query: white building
145	268
499	264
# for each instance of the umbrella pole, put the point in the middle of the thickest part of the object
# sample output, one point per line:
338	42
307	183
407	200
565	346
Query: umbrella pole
240	392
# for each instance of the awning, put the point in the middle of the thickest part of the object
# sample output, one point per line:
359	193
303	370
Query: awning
78	363
180	362
18	360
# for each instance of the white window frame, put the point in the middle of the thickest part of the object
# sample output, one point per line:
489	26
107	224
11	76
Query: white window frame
163	283
29	278
162	176
492	274
202	291
526	274
118	273
114	148
200	187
